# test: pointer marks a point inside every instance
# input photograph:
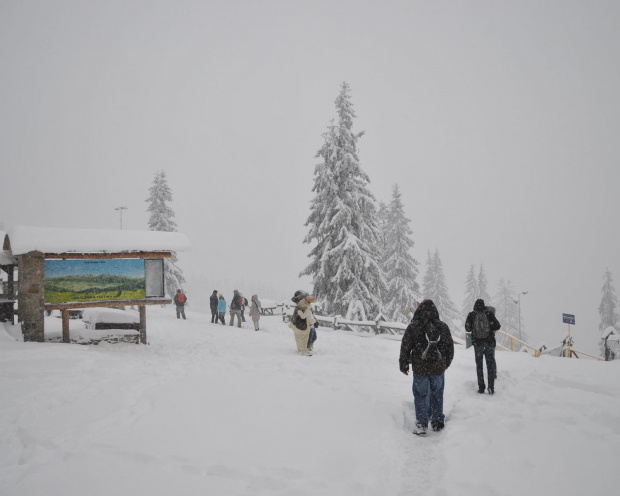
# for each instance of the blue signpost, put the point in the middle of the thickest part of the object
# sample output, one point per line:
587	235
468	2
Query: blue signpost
569	319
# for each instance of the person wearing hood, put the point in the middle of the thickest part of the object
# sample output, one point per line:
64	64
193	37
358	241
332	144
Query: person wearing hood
482	324
213	304
235	308
302	320
255	311
428	345
221	308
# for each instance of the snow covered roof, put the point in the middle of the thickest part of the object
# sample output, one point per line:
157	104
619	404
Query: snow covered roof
6	258
25	239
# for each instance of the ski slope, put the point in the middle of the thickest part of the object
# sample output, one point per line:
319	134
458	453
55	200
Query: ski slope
207	409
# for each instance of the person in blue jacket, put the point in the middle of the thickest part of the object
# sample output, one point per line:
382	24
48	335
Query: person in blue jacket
221	308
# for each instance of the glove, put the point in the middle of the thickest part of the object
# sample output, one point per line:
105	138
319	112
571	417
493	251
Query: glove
316	324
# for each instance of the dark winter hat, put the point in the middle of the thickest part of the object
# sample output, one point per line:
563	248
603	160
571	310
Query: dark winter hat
299	295
479	306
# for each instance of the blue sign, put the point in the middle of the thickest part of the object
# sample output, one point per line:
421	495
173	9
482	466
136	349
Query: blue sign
567	318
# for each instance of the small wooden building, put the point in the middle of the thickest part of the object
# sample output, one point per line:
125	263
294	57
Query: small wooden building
64	269
8	263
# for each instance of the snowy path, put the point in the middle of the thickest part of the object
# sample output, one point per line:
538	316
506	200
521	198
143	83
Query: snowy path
208	409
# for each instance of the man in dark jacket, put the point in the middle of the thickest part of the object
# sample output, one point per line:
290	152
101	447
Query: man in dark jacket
235	308
213	305
482	324
428	344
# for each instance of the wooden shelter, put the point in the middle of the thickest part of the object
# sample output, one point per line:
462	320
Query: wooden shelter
37	250
8	263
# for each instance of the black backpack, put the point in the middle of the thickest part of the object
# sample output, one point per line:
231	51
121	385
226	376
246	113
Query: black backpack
432	354
482	328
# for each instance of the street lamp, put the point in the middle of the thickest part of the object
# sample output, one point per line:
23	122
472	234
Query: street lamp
518	302
120	209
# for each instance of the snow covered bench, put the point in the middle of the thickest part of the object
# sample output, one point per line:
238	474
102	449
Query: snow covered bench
110	318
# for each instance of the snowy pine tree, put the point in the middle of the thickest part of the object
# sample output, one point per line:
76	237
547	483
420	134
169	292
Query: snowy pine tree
482	286
607	310
506	311
471	292
343	222
162	219
609	302
400	268
436	289
382	219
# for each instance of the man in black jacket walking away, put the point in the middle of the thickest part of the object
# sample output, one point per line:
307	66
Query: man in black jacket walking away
235	308
428	344
482	324
213	305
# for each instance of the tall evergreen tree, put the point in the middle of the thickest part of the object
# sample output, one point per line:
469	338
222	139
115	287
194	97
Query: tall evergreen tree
471	292
400	268
507	311
162	219
609	302
343	222
436	289
482	286
382	219
607	311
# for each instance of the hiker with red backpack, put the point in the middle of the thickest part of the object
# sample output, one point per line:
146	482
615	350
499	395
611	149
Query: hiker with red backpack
482	324
428	345
180	300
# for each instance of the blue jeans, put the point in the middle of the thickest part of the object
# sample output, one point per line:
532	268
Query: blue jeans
485	351
428	398
312	336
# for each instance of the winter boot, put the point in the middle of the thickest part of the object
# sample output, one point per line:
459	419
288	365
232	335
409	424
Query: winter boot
420	430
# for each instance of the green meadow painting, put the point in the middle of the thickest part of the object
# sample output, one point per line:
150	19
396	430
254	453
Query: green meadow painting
94	280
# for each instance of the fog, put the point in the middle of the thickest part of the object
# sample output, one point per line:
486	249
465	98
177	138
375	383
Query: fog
499	121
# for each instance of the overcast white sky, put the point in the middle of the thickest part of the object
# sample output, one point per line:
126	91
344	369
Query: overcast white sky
499	120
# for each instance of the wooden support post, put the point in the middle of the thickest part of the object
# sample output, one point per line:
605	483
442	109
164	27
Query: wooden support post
65	326
142	309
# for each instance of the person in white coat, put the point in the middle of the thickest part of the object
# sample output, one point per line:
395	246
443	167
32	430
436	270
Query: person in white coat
302	321
255	311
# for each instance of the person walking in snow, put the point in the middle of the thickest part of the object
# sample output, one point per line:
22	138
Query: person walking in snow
235	308
428	344
302	320
244	303
255	311
213	304
221	308
482	324
180	300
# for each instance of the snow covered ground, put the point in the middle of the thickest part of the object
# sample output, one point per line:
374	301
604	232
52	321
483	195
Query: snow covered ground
214	410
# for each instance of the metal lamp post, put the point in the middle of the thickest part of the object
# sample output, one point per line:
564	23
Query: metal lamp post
518	302
120	209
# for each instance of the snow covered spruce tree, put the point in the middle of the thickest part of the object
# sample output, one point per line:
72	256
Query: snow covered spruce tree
399	267
607	309
471	292
435	288
507	312
609	303
475	289
347	276
162	219
482	286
